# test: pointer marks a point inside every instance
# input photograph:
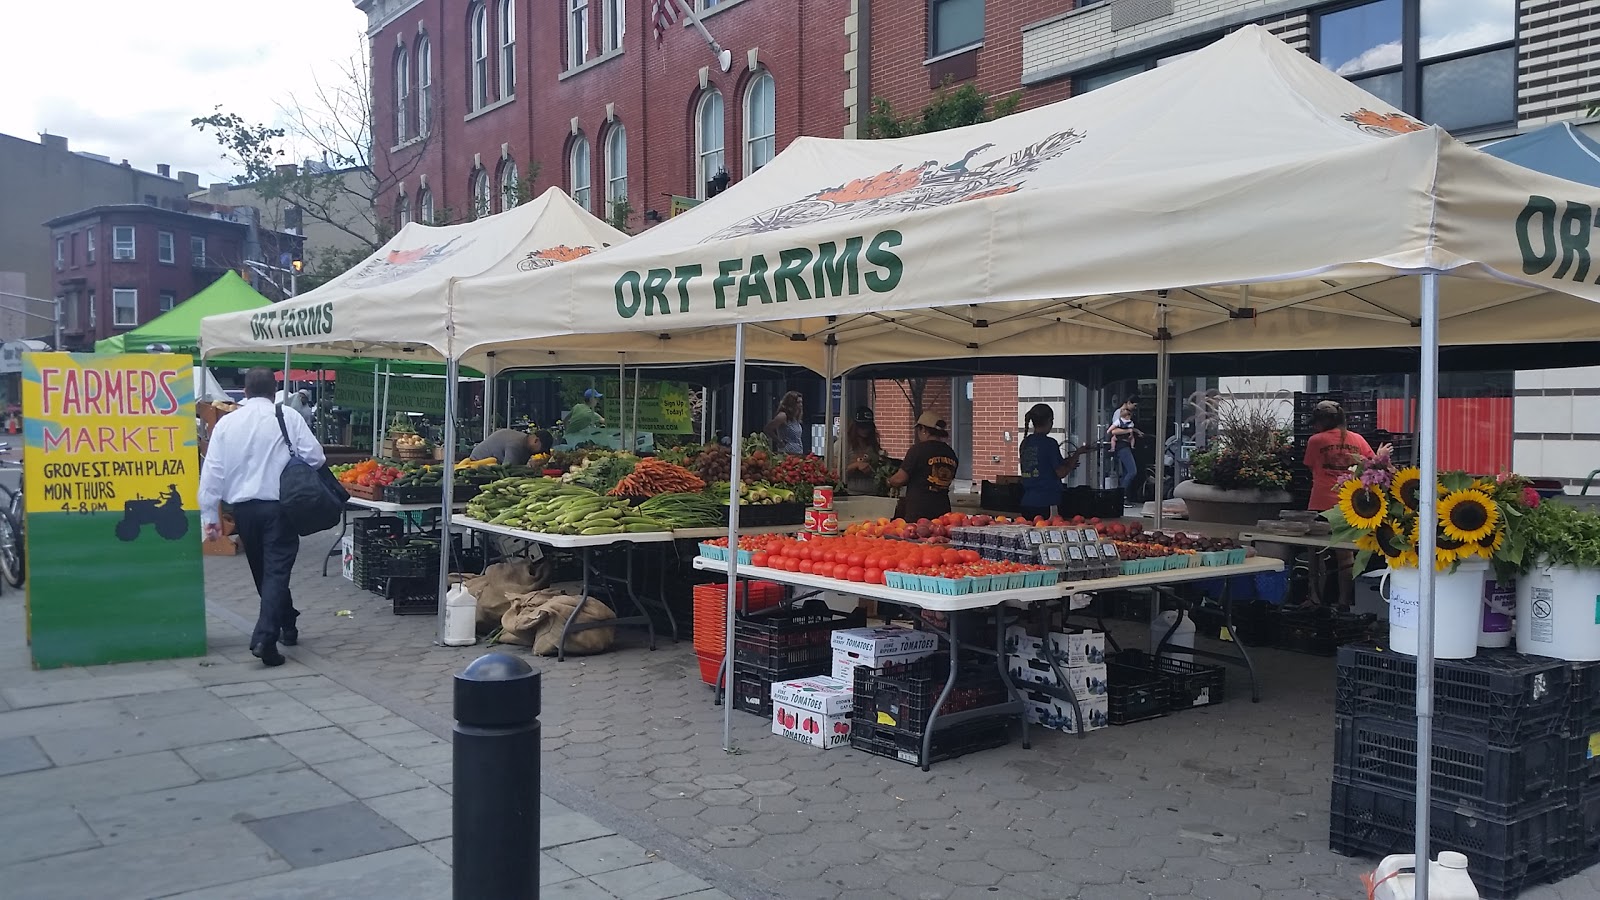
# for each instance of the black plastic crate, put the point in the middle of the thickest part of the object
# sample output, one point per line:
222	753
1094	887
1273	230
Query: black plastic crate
900	696
1189	684
948	743
1504	859
1321	631
1133	693
753	515
1582	753
1127	605
417	558
412	596
1502	695
1583	711
370	529
1468	773
1582	848
780	640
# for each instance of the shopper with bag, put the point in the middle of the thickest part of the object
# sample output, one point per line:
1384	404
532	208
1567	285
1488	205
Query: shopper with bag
246	466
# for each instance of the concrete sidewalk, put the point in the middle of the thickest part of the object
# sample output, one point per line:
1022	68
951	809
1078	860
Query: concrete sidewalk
218	778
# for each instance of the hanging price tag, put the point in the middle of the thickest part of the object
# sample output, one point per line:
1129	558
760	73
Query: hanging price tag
1403	606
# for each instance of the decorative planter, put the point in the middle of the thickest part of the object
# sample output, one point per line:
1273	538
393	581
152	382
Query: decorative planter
1457	609
1231	507
1557	612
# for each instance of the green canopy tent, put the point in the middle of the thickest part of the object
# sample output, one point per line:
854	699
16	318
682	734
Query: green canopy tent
178	329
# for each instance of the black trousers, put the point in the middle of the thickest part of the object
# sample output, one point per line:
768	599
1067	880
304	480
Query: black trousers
271	545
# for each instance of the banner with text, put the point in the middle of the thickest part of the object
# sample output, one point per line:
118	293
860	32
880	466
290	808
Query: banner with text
663	405
406	393
112	477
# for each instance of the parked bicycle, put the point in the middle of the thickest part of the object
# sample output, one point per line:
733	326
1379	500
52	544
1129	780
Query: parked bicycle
12	556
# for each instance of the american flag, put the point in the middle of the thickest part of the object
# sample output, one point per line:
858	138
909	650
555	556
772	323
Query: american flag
664	13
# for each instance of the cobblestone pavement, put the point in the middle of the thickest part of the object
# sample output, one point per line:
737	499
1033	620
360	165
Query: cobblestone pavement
219	779
1227	803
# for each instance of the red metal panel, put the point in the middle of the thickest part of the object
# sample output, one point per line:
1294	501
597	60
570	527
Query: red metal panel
1474	432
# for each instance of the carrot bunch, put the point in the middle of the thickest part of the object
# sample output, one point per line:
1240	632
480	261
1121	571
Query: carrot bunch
652	477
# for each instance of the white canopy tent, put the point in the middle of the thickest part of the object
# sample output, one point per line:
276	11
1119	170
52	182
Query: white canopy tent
1244	198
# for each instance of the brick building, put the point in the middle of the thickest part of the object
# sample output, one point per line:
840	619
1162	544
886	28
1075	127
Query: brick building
481	102
1483	70
117	267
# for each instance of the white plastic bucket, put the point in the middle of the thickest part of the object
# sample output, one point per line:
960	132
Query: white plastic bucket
1558	613
1457	609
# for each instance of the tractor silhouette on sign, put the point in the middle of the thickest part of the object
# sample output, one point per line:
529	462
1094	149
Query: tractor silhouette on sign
166	513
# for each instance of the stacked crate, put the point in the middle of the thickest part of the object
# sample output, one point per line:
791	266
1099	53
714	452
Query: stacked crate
1502	767
372	536
711	618
892	703
1361	416
782	645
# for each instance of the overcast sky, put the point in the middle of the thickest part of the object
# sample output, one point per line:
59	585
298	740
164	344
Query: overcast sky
123	79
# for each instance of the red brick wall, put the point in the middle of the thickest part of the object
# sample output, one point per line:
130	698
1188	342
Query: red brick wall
654	91
899	48
994	413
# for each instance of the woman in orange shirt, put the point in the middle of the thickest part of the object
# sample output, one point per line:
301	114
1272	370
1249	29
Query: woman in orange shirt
1329	455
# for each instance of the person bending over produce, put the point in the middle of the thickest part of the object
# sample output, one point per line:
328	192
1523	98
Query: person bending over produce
510	447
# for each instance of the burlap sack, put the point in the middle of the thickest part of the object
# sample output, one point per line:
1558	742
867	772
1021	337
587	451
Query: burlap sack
536	620
502	581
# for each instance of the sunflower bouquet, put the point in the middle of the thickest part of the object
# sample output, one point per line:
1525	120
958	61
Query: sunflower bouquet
1476	517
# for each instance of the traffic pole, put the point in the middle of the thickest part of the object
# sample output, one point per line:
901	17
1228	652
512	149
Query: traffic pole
496	793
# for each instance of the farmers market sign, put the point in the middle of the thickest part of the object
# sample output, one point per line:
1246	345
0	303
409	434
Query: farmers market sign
112	478
278	323
1556	235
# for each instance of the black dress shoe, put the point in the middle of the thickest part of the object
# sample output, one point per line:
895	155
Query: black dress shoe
268	653
289	635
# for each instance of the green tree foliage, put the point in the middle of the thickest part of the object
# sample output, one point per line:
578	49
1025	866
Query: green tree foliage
949	108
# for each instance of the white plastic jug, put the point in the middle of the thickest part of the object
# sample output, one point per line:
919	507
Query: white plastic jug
460	617
1457	609
1394	878
1182	639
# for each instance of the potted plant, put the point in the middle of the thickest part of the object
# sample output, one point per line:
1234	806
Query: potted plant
1242	478
1559	591
1478	523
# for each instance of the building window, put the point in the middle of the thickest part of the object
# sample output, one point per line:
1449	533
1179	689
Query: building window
760	123
481	201
579	172
166	248
1460	72
424	86
1085	84
508	49
402	212
61	253
425	206
94	313
294	218
402	96
709	137
616	168
124	307
88	246
478	51
122	242
954	25
70	316
615	24
510	186
197	251
168	301
577	32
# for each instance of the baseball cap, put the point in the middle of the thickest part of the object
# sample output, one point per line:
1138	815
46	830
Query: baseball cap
932	422
592	394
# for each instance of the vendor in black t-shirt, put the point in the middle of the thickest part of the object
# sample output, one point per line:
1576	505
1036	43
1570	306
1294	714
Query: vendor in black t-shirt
927	472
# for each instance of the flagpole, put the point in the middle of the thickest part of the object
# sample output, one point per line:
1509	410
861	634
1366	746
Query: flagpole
724	57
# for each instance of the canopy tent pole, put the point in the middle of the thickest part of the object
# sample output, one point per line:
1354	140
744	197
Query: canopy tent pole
1163	367
733	540
488	398
1407	423
708	397
452	373
828	353
622	397
383	412
1427	516
286	362
376	414
633	430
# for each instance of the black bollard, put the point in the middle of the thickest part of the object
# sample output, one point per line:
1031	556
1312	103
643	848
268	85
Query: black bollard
496	808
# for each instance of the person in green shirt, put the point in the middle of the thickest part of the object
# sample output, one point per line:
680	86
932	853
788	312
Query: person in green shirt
584	419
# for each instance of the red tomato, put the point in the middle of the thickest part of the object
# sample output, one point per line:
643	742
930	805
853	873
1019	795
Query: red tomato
949	557
970	556
855	573
760	558
856	559
874	576
830	556
807	567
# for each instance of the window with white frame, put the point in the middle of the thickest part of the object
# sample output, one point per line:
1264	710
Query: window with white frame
122	242
424	85
168	301
616	168
510	185
425	206
88	246
94	311
508	48
482	203
61	253
478	53
402	212
577	32
70	314
166	247
124	307
760	122
197	251
402	96
615	24
579	172
709	141
954	25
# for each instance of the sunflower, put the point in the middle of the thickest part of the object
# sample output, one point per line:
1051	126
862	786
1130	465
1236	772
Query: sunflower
1405	487
1363	507
1406	560
1466	516
1389	538
1490	544
1447	551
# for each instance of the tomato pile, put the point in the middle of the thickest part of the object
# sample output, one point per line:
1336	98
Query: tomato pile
796	470
937	531
751	542
864	560
368	473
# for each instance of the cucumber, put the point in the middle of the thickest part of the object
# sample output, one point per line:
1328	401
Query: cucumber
599	529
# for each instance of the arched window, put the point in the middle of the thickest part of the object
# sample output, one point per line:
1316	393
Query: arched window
760	122
478	54
510	186
709	140
425	206
508	49
481	200
402	212
579	172
424	85
616	168
402	96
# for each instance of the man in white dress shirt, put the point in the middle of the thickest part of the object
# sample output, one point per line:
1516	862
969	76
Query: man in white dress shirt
243	463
